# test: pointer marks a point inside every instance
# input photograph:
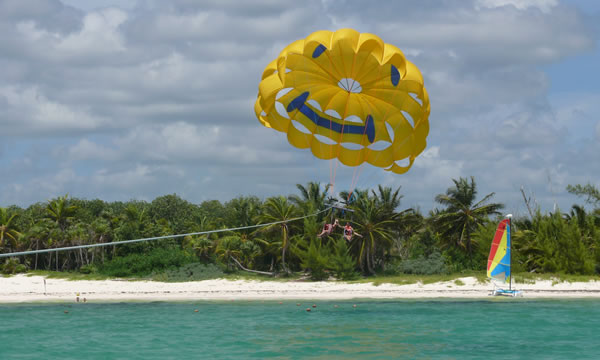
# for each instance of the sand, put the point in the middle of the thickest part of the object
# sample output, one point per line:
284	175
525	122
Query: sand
23	288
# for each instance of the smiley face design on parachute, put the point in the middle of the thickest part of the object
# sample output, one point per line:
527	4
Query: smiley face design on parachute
348	96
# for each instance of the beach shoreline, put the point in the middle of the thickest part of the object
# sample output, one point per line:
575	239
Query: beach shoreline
30	289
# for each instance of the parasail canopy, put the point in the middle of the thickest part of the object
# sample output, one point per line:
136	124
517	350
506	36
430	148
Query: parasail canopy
347	96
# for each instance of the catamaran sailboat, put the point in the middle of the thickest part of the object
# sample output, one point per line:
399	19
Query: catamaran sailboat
498	268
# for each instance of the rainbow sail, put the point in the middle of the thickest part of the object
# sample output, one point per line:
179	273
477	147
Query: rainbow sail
498	267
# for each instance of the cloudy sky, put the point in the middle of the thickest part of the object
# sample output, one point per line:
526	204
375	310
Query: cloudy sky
124	100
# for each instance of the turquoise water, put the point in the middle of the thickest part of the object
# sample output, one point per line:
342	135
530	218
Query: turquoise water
491	329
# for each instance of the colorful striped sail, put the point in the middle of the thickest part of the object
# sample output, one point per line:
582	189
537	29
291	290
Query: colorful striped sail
498	267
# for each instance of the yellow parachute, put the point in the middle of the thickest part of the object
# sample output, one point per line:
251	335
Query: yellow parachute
349	96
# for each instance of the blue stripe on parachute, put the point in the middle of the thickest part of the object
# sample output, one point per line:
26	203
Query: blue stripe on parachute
318	51
299	103
395	75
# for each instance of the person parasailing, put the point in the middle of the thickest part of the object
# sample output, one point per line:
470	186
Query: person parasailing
349	232
328	228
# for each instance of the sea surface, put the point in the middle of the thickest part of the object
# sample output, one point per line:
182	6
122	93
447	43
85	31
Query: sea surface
400	329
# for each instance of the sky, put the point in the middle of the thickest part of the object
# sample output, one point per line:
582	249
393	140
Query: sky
122	100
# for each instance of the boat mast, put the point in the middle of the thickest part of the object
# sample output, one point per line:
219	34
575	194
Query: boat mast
509	216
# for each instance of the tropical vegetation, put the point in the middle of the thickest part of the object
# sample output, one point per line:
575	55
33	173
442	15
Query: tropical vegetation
278	235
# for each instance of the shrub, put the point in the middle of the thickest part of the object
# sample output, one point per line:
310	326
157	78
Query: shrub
88	269
434	264
13	266
315	259
342	263
190	272
145	264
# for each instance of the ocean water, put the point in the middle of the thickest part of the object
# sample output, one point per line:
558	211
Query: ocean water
400	329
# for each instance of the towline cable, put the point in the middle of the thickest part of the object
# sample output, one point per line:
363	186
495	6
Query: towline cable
32	252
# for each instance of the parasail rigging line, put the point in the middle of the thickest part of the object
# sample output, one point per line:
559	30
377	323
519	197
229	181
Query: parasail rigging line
31	252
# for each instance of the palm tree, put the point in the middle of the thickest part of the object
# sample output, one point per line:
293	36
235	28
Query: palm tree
100	232
410	224
7	228
78	234
374	223
555	243
350	197
202	246
243	210
311	197
531	254
588	227
279	209
37	233
388	199
250	251
60	211
228	247
270	248
247	245
349	200
578	215
462	215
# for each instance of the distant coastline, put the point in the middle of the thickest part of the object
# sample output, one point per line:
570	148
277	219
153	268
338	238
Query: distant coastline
26	289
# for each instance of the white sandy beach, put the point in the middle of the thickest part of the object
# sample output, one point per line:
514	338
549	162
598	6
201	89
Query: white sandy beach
22	288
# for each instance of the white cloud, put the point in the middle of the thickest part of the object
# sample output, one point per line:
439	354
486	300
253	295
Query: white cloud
100	34
184	142
577	112
86	150
544	5
527	129
28	111
30	31
127	179
437	166
459	92
158	97
41	188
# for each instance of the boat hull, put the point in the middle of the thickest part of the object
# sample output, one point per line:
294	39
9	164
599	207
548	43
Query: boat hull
510	293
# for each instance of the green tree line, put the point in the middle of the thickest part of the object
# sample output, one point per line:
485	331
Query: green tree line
455	236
